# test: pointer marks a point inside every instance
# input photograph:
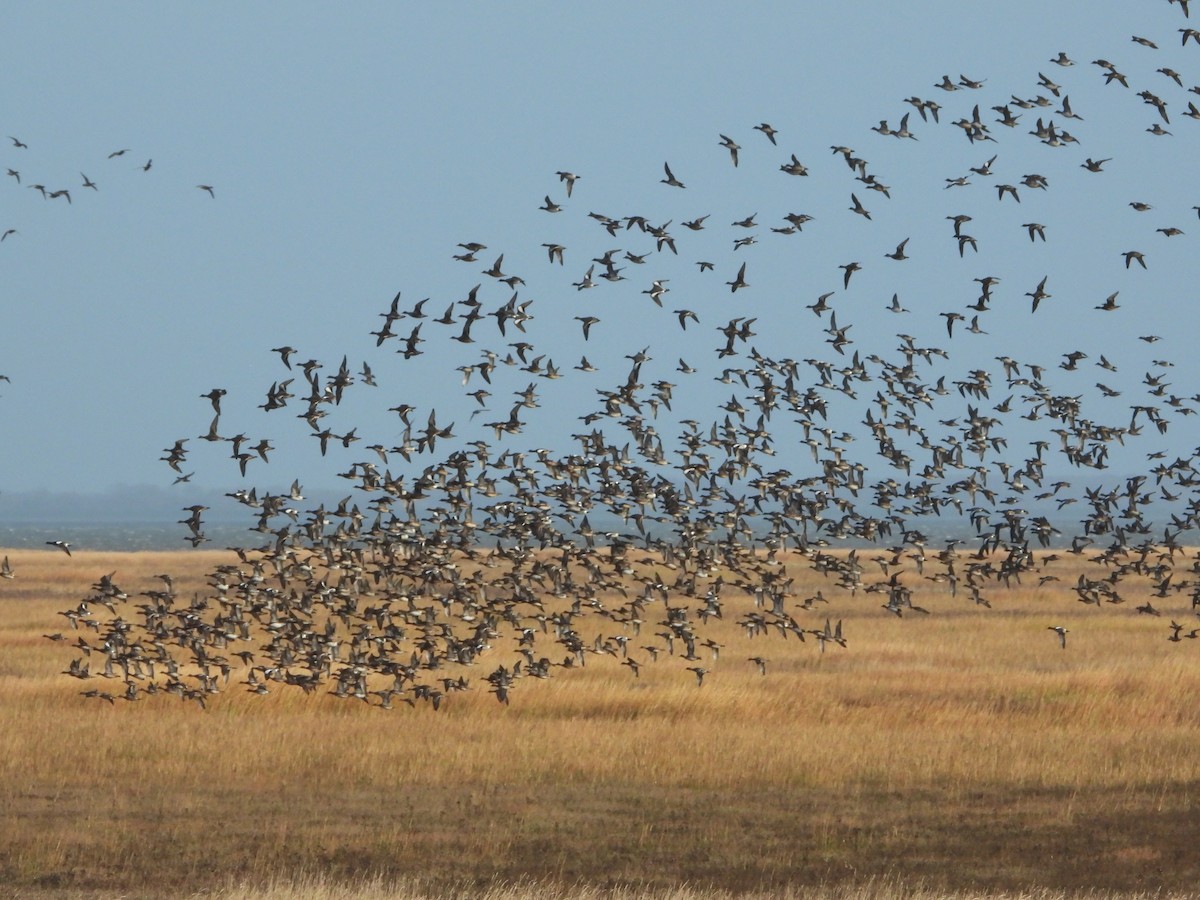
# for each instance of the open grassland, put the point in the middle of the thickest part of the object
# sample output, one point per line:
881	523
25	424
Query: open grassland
959	751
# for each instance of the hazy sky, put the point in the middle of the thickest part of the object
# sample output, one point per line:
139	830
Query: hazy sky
352	147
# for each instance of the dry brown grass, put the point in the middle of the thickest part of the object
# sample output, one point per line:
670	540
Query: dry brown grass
318	888
955	752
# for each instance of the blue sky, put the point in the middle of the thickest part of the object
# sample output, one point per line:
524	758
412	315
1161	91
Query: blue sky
352	148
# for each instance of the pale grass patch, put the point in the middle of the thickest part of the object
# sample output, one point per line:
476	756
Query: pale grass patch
317	887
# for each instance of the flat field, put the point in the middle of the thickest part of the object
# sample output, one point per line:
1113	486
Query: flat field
956	752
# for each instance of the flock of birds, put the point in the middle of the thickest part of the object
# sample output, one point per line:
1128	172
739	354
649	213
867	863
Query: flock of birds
632	540
22	177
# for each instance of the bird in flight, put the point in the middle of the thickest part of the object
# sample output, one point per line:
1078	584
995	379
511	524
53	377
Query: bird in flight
569	179
1038	294
739	282
587	322
671	179
767	130
732	146
849	269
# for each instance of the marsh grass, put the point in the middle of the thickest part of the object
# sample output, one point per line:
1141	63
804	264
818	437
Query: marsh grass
961	751
319	888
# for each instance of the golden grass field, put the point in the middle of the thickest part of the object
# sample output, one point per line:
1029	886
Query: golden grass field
961	753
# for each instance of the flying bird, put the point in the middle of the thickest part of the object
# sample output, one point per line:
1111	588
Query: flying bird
588	322
569	179
1038	293
740	281
671	179
847	270
771	132
732	146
